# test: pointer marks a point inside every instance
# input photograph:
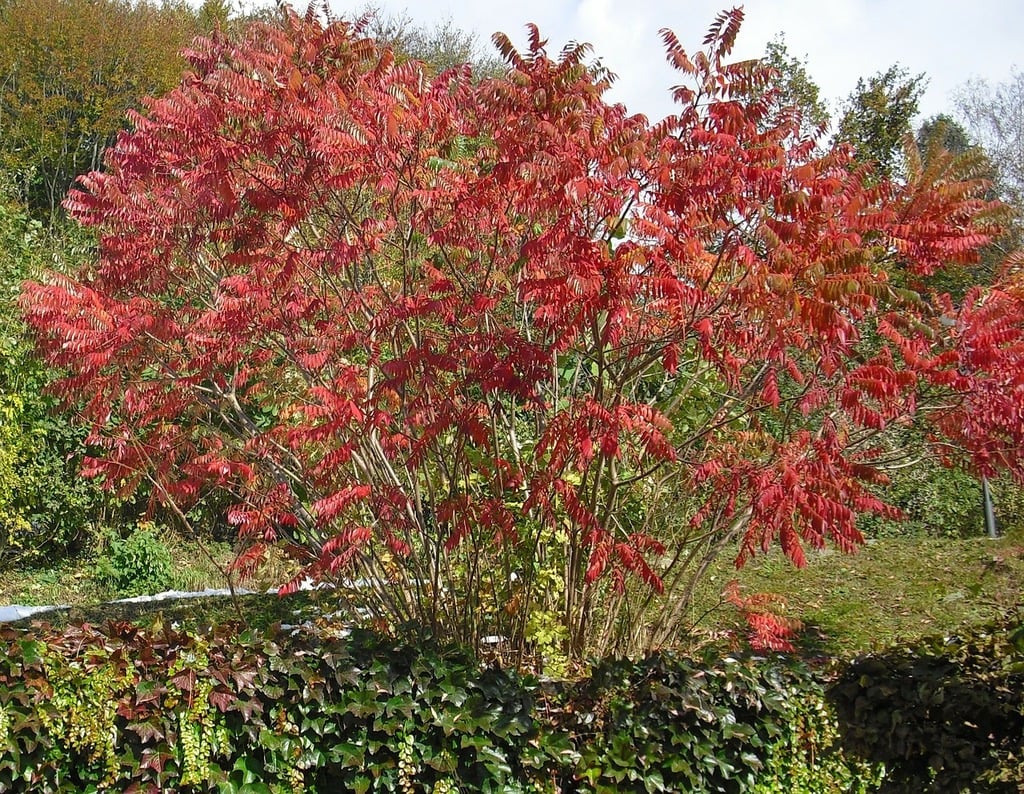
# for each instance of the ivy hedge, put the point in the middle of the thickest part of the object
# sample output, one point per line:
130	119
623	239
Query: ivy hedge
121	708
943	714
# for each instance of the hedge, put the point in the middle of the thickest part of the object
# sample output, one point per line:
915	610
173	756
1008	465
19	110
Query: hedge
943	714
121	708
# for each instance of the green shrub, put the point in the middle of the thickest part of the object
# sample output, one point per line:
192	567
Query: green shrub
46	507
934	500
942	714
1008	501
12	524
807	755
139	564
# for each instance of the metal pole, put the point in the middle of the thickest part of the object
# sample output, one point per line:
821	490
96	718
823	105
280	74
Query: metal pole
990	516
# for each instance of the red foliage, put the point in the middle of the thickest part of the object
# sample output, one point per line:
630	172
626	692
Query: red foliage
393	312
769	629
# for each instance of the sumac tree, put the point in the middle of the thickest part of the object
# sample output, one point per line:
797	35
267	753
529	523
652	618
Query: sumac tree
454	342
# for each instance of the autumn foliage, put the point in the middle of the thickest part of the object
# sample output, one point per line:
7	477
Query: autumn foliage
456	343
69	70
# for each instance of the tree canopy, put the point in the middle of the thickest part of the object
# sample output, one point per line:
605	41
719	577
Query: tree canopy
454	342
877	118
69	72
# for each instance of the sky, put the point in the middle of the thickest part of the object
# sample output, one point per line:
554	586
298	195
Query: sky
840	40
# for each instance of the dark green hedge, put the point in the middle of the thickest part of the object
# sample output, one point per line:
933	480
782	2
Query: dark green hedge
123	709
943	714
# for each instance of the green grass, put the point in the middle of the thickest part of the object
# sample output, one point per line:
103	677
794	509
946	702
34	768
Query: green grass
251	610
75	581
68	582
892	589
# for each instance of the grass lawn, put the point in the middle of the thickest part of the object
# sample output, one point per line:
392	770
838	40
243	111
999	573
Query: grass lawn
73	583
892	589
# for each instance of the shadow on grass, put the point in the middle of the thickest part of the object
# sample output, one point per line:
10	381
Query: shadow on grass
944	716
254	610
814	644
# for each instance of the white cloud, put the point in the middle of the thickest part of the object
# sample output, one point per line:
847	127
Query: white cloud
842	39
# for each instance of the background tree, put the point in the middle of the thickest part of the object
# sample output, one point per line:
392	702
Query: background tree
795	88
994	115
943	131
944	145
443	46
877	118
69	72
449	341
